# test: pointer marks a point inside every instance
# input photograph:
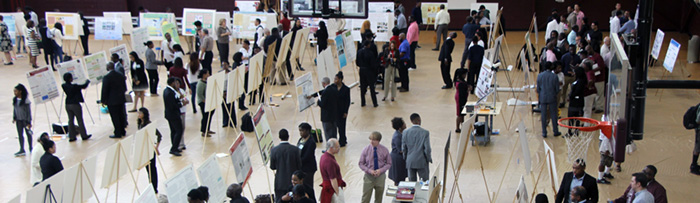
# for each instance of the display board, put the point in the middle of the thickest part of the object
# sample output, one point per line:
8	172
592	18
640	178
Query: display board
312	23
72	25
171	28
381	7
247	5
123	54
240	159
244	23
75	68
658	41
304	88
492	7
381	26
221	15
235	85
215	91
144	141
671	55
255	72
429	11
325	65
210	175
147	196
115	165
524	145
300	43
139	36
340	51
79	180
284	51
38	192
108	28
350	55
190	15
460	4
96	66
42	84
12	28
263	134
180	184
463	141
127	24
551	164
154	22
483	85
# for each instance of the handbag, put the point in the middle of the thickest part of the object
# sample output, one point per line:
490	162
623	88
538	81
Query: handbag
128	98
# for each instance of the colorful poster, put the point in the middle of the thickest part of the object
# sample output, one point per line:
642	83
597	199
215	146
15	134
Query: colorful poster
172	29
227	17
190	15
244	23
381	25
154	22
179	185
123	55
139	36
42	84
305	87
72	25
429	12
75	68
340	47
9	20
240	158
671	55
108	28
96	66
210	175
263	133
127	24
483	85
349	45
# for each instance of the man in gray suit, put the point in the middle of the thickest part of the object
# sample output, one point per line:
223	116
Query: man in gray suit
285	158
416	144
548	88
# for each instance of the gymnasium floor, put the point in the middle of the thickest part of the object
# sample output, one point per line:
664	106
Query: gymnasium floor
666	144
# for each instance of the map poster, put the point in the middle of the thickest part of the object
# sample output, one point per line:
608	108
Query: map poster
240	158
42	84
96	66
305	87
263	134
108	28
75	67
190	15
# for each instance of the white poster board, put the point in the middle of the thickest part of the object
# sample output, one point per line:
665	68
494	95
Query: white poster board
38	192
147	196
244	23
492	7
326	66
96	66
77	183
153	22
263	133
551	164
139	36
521	196
247	5
351	54
671	55
190	15
42	84
483	85
381	25
115	165
255	72
75	68
235	85
210	175
72	25
460	4
127	25
180	184
304	87
300	43
468	125
214	94
108	28
144	141
381	7
658	41
525	147
123	54
284	51
221	15
240	158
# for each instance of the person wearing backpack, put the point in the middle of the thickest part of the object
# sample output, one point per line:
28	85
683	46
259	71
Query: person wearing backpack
691	120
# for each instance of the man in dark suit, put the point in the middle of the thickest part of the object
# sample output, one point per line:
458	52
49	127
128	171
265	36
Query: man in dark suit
173	103
416	145
285	159
475	57
307	144
329	107
113	89
578	177
547	89
367	61
445	59
343	106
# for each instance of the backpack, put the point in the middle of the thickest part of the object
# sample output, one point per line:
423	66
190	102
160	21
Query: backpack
247	123
689	117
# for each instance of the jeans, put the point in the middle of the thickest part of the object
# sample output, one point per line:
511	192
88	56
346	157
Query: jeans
21	128
57	53
206	118
549	109
75	111
153	80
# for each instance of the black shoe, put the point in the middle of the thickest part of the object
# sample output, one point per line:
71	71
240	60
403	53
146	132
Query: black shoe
608	176
557	134
376	105
603	181
544	136
87	137
7	64
458	130
72	140
561	105
176	153
115	136
132	111
446	87
182	148
403	90
436	49
598	111
242	108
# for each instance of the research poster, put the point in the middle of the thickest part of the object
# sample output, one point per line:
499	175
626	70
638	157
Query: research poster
139	36
42	84
171	28
12	28
381	25
96	66
658	41
75	68
381	7
127	24
340	48
144	142
147	196
180	184
349	45
240	158
244	23
429	11
123	54
108	28
190	15
525	147
210	175
671	55
304	88
154	23
72	25
263	134
483	85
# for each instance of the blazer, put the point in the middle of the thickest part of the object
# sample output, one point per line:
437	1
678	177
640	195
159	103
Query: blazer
172	104
284	158
344	100
138	72
576	96
113	88
50	165
415	144
547	87
589	183
308	155
329	103
74	94
446	50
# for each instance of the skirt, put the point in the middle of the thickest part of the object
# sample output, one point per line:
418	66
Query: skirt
5	44
33	49
143	86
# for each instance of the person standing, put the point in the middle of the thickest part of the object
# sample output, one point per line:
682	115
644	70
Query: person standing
178	71
412	36
328	102
118	66
234	192
547	89
442	19
144	118
193	68
330	173
307	145
400	21
22	117
615	22
576	97
259	32
569	60
404	62
390	66
322	36
579	16
367	61
206	55
47	43
475	57
6	42
461	95
57	33
171	100
469	30
397	172
32	40
415	144
343	106
113	90
86	34
417	13
284	159
222	34
50	164
74	96
139	81
578	177
152	68
374	161
201	98
166	51
445	59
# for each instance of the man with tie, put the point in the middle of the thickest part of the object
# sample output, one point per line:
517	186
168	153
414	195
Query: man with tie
416	145
113	89
374	161
173	103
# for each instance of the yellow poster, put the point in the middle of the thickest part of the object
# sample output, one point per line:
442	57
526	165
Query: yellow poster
72	25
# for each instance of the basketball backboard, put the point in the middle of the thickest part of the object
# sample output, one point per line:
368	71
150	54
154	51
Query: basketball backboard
617	90
336	8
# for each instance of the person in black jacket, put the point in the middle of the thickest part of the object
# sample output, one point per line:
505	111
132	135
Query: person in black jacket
329	111
172	102
322	36
113	89
307	144
50	164
367	61
343	106
274	37
86	34
576	101
74	96
46	43
445	59
302	194
284	159
583	179
139	81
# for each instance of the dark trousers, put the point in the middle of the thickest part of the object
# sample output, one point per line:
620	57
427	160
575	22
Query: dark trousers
309	181
208	57
206	117
223	51
168	65
403	73
549	109
229	115
574	112
118	115
473	77
329	130
465	52
175	124
414	45
153	173
21	129
367	79
84	42
50	56
193	88
445	70
75	111
341	123
153	80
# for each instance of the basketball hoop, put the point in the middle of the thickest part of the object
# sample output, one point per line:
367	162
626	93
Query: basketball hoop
580	134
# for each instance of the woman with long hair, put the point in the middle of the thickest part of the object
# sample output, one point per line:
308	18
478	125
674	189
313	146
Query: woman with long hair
322	36
57	32
152	68
463	89
22	117
398	171
391	63
139	82
32	40
144	118
193	68
178	52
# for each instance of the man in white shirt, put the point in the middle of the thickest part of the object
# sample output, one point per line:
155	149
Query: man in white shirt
442	19
552	26
615	23
259	32
400	21
167	53
639	185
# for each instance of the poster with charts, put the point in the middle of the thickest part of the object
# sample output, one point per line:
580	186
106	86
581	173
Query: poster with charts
305	87
190	15
658	42
127	24
350	46
96	66
263	133
171	28
210	176
147	196
154	22
123	55
240	158
139	36
483	85
180	184
244	23
108	28
75	68
671	55
340	47
42	84
72	25
12	28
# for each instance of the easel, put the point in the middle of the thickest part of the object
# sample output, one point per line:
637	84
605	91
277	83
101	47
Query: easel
48	193
267	77
216	94
149	141
82	173
119	153
683	73
551	175
458	170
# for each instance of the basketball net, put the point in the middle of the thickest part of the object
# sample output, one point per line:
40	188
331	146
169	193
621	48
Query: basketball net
580	133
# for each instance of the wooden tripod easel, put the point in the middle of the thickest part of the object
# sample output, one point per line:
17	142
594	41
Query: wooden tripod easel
82	173
119	153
